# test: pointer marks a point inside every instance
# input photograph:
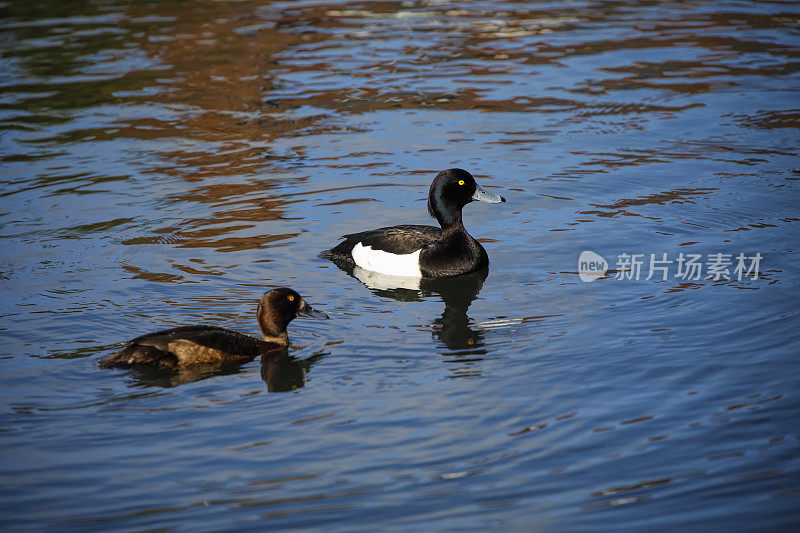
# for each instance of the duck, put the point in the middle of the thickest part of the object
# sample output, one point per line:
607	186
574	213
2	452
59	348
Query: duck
185	346
423	251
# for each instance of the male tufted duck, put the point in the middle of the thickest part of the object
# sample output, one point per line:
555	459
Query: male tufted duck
424	251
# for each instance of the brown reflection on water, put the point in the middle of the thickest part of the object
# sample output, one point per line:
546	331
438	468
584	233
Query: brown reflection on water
773	119
237	207
217	74
219	58
218	84
232	62
675	196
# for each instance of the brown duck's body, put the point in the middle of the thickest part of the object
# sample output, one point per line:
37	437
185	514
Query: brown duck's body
192	345
189	345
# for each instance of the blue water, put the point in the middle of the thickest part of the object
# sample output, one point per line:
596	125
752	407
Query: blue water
165	163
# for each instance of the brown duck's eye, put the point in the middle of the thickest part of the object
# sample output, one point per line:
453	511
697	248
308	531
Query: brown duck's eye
291	298
461	182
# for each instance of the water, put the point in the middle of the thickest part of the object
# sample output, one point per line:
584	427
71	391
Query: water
165	163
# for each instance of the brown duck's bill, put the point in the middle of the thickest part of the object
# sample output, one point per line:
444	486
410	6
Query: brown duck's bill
310	312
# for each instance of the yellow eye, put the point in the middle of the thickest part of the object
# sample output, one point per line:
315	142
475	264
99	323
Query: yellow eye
291	298
461	182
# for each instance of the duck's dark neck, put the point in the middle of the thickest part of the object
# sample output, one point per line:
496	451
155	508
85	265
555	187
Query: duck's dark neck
273	330
447	214
282	339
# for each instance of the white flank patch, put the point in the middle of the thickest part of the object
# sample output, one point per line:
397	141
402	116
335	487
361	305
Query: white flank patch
376	280
386	263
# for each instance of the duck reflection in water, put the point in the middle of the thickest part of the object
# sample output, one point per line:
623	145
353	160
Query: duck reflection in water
280	371
453	328
286	373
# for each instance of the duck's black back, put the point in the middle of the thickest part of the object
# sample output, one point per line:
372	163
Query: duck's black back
398	240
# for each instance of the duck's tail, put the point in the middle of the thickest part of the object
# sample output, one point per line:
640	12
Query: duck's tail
135	355
340	252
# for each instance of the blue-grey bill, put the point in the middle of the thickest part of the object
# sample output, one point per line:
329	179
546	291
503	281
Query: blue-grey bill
487	197
309	311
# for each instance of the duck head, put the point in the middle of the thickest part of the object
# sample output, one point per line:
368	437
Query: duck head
277	308
450	191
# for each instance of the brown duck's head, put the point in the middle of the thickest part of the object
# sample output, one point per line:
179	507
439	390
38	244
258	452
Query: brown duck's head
280	306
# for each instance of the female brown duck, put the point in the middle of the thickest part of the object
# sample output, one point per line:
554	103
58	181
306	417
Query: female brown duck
188	345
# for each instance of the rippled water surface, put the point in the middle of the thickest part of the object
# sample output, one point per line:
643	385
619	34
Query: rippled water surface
164	163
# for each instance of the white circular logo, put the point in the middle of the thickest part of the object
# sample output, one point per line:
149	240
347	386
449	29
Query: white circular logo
591	266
